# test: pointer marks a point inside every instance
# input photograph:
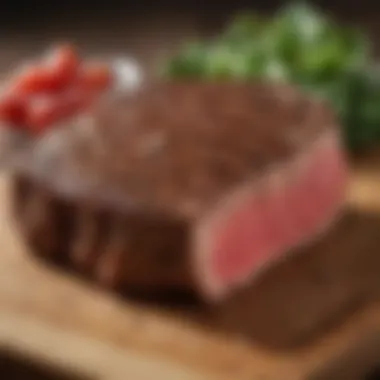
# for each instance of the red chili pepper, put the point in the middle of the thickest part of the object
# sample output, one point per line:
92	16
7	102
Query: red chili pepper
57	88
40	114
64	63
13	110
45	111
57	72
31	81
95	77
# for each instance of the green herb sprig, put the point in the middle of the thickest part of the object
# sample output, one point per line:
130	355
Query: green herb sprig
299	45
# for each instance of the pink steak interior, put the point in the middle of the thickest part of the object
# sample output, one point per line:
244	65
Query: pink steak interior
265	222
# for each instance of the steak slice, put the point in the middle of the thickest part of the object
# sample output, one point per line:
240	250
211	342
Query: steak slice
192	185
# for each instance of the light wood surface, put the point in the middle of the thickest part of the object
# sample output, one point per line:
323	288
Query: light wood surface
299	315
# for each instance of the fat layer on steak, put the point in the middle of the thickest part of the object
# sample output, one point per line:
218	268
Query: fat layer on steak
188	185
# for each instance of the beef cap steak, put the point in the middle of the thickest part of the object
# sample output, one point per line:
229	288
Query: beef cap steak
184	185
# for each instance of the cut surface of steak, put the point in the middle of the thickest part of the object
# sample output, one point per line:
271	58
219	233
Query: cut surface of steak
189	185
261	221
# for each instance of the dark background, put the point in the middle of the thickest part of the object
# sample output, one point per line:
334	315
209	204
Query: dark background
147	30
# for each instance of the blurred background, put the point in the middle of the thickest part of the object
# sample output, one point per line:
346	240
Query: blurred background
145	29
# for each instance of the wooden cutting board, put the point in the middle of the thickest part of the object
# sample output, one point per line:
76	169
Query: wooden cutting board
295	318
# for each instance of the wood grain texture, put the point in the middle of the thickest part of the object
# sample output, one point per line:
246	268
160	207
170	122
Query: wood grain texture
85	357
